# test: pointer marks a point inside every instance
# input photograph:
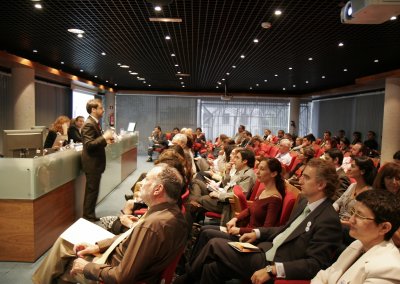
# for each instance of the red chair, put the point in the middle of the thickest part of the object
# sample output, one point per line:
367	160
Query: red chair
238	202
274	151
287	207
213	215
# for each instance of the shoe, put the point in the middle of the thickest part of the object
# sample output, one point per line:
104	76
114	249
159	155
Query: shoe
150	159
128	197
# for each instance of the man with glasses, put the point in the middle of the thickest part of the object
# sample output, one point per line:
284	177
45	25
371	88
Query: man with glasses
296	250
373	257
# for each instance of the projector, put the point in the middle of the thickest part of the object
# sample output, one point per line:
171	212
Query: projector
369	11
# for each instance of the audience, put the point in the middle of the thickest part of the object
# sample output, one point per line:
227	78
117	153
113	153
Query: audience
372	257
297	250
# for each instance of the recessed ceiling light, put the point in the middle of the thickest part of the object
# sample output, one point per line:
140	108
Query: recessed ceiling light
119	64
265	80
76	31
376	60
180	78
266	25
179	72
284	89
234	66
157	8
323	77
124	66
62	62
276	75
144	82
182	83
278	12
166	20
306	82
95	76
223	79
310	58
242	56
255	40
340	44
35	51
103	53
251	88
106	81
228	73
149	85
393	18
38	6
167	37
176	65
345	69
81	70
257	85
133	73
172	54
290	68
217	87
183	86
219	83
294	86
115	84
80	35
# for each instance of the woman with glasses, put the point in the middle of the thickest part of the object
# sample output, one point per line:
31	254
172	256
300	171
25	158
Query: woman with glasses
372	257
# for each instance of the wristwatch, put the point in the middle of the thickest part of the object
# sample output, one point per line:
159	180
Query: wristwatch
269	271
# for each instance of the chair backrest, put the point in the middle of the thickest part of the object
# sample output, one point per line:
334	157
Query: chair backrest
169	271
293	163
274	151
288	203
239	199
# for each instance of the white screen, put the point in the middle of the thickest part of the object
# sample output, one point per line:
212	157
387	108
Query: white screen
131	126
79	101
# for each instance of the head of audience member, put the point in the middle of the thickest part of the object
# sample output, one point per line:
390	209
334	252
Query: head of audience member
163	183
255	141
362	170
95	108
175	131
228	149
270	170
288	136
371	135
376	217
189	142
358	149
244	158
232	156
241	128
344	144
319	180
189	132
79	121
172	158
61	124
280	134
267	132
183	130
299	141
180	139
396	157
187	162
388	178
306	154
308	139
327	135
198	131
334	156
356	137
341	134
284	146
157	130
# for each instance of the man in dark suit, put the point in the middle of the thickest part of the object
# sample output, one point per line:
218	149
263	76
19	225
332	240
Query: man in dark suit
93	156
297	250
335	156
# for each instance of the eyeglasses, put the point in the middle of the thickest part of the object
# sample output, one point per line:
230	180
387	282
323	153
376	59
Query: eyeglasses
353	212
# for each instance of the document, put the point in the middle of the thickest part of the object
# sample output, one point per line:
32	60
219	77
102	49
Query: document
83	231
244	247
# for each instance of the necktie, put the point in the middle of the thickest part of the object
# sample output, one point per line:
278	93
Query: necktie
279	239
103	258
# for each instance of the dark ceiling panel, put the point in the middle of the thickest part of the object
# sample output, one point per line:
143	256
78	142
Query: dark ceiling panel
207	44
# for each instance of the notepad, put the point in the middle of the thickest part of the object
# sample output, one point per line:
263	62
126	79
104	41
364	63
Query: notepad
83	231
244	247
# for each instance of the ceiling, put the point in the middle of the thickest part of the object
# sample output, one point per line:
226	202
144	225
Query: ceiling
207	44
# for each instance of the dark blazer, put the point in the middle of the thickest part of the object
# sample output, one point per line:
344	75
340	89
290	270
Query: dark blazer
74	134
312	246
50	138
344	183
93	153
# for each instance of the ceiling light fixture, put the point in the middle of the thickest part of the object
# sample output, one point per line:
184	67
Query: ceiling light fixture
255	40
134	73
103	53
223	79
167	37
179	72
38	6
284	89
242	56
290	68
306	82
266	25
393	18
345	70
180	78
340	44
276	75
124	66
310	58
166	20
234	66
80	35
173	54
149	85
278	12
62	62
257	85
115	84
265	80
157	8
95	76
294	86
176	65
118	64
35	51
376	60
323	77
76	31
81	70
228	73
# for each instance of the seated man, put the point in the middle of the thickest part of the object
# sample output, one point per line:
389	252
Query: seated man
140	257
373	257
284	156
297	250
157	141
335	156
218	200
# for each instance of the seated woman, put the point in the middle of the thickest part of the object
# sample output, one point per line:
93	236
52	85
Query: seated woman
265	210
306	154
372	258
58	128
388	179
363	171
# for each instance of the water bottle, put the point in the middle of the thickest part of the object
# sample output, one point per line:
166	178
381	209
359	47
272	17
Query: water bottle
37	153
71	144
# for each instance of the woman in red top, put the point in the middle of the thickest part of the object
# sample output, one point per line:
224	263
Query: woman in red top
265	210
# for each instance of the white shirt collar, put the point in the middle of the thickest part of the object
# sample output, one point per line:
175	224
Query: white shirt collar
315	204
95	119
